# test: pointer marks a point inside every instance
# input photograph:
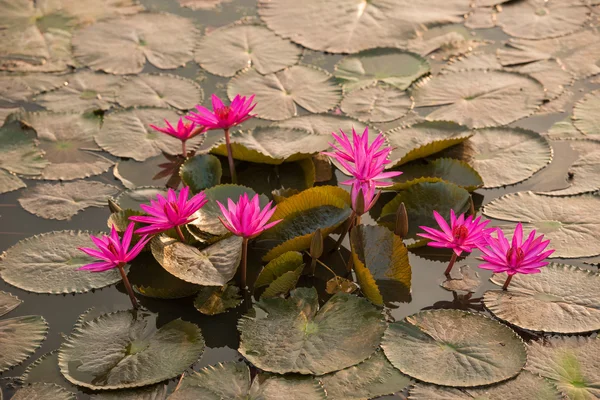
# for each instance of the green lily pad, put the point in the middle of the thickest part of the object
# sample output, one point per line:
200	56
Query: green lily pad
424	139
570	223
19	338
421	200
324	207
160	90
122	46
287	262
393	67
475	349
561	299
584	113
213	300
524	386
126	349
279	94
18	152
154	392
479	98
132	198
296	335
8	302
61	201
232	380
232	48
120	220
268	178
376	104
213	266
571	363
440	170
49	263
382	260
150	279
43	391
10	182
201	172
322	124
371	378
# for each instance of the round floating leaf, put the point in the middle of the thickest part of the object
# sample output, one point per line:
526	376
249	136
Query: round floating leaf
585	114
201	172
49	263
571	363
82	91
18	152
376	104
8	302
154	392
466	280
571	223
294	335
232	48
323	207
132	198
128	134
562	299
322	124
212	266
274	144
68	144
479	98
287	262
20	88
371	378
394	67
43	391
10	182
212	300
424	139
524	386
384	259
563	130
126	349
163	91
149	279
539	19
63	200
474	349
421	200
279	94
348	26
122	46
439	170
19	338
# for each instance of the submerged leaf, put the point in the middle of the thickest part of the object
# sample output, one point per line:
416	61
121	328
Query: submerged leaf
439	170
8	302
376	104
19	338
158	90
201	172
213	300
43	391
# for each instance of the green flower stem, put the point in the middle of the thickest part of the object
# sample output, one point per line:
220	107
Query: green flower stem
243	264
180	234
183	149
230	157
451	264
128	286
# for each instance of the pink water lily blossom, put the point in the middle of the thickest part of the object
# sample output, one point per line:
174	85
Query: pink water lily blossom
170	213
517	256
222	116
184	131
245	218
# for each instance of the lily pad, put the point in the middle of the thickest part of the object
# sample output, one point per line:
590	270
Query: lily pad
201	172
324	207
290	176
230	49
19	338
213	300
232	380
21	88
82	91
345	26
571	363
160	90
393	67
279	94
19	153
48	263
213	266
122	46
480	98
371	378
68	144
121	129
126	349
61	201
376	104
561	299
322	124
462	279
201	4
525	386
154	392
439	170
45	369
570	223
10	182
474	349
43	391
296	335
421	200
132	198
383	262
8	302
585	116
424	139
539	19
281	274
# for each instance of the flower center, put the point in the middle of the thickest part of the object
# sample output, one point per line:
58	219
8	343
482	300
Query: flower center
460	233
171	208
515	256
113	249
223	112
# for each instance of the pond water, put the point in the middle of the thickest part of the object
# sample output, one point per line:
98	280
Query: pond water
220	331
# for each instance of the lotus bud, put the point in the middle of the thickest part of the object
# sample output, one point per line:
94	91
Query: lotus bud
113	206
316	244
401	221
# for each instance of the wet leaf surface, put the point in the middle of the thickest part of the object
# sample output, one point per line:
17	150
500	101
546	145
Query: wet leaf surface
376	104
201	172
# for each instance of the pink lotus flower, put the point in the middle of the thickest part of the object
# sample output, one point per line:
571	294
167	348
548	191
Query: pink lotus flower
517	257
370	197
112	251
222	116
245	218
184	132
169	213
